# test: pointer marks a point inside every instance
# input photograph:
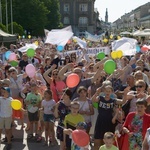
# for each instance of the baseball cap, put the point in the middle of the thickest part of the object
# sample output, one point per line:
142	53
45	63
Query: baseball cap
82	125
6	89
80	64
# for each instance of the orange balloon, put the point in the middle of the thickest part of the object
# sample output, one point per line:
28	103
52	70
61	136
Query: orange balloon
72	80
80	137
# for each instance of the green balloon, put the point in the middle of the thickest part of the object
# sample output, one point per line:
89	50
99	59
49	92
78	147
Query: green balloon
30	52
109	66
95	105
101	55
13	63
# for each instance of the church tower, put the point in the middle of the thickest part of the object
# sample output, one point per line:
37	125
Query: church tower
106	16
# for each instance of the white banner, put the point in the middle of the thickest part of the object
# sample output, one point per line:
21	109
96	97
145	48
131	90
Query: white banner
26	47
81	43
90	51
127	45
94	38
59	37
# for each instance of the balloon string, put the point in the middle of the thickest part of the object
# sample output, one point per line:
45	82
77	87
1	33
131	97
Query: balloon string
57	125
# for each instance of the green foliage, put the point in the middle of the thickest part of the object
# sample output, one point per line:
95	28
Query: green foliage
17	29
3	27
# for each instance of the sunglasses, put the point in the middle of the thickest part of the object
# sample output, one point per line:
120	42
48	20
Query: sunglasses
138	86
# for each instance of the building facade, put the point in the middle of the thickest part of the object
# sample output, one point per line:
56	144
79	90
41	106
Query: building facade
136	19
80	14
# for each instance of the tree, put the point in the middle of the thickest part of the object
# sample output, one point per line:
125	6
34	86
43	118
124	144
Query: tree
3	27
54	14
31	14
17	28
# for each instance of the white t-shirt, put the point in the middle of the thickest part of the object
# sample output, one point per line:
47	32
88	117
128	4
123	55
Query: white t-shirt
48	106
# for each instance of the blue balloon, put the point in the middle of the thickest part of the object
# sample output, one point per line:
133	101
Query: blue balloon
7	54
60	48
138	49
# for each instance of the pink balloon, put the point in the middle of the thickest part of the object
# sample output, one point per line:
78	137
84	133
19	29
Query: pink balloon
30	70
12	56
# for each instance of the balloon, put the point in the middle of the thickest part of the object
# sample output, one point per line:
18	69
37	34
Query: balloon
30	70
109	66
36	43
14	63
111	36
72	80
105	40
12	56
113	54
118	37
7	54
60	48
144	49
29	36
23	36
101	55
30	52
69	42
119	54
80	137
16	104
95	105
138	49
19	37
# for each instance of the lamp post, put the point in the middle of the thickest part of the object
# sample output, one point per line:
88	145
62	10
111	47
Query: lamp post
11	12
0	11
6	17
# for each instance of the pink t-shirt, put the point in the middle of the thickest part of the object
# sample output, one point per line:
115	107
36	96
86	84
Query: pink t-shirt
57	89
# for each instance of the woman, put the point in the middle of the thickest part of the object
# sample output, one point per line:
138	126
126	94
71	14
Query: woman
62	108
86	108
146	142
106	106
132	96
135	126
56	85
16	86
47	63
67	60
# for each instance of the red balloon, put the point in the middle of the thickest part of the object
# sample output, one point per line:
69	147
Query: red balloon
80	137
72	80
144	48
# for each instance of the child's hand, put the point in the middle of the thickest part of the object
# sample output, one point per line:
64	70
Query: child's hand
82	112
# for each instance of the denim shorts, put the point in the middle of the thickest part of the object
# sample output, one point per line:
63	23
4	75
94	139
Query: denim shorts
48	117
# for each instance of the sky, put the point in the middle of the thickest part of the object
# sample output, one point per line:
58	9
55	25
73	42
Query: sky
117	8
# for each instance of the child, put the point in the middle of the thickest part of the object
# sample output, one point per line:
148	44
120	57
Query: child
81	126
71	120
6	114
48	106
33	103
108	140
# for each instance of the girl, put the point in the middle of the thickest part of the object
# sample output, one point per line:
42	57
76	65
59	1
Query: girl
86	108
105	114
47	105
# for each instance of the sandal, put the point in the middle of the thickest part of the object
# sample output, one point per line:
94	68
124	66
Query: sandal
30	136
39	139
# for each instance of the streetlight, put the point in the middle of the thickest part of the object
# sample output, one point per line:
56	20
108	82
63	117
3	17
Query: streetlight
6	17
11	12
0	11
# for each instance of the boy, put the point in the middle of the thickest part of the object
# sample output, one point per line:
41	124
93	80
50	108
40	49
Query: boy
108	140
81	126
71	120
32	101
6	114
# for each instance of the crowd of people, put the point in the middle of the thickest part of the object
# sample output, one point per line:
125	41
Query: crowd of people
113	109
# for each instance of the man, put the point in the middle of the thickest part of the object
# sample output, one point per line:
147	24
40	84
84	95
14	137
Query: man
83	82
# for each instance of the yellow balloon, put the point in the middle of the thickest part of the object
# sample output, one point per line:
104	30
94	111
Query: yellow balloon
111	36
36	43
114	54
105	40
118	37
29	36
74	40
19	37
119	54
16	104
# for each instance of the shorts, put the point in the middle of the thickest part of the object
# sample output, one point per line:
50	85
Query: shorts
33	116
5	123
48	117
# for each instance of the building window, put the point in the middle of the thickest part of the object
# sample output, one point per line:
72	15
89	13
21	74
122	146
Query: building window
83	20
66	7
83	7
66	20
